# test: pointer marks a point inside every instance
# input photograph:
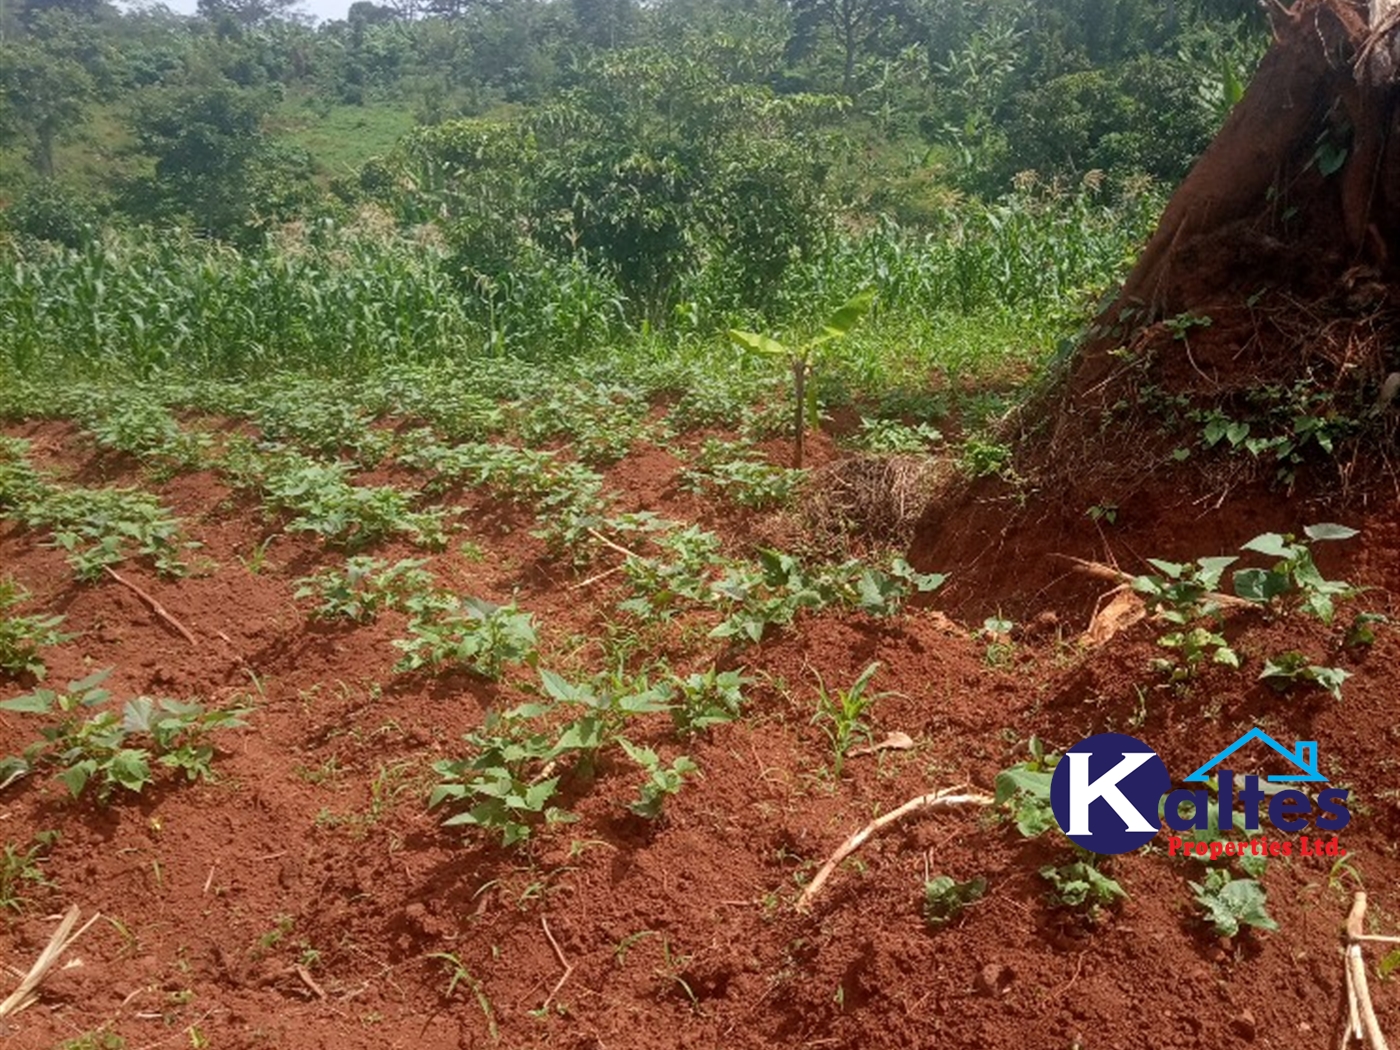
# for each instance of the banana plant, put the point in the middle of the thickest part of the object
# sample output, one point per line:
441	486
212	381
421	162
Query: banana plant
803	360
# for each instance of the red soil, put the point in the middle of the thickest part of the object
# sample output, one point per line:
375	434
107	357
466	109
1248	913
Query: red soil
314	847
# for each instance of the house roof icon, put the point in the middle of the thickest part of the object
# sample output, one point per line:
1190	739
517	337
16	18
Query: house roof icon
1303	756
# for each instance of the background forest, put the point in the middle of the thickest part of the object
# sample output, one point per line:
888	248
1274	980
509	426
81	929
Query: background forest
542	177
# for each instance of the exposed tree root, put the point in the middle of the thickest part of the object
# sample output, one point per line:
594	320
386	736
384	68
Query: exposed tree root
945	799
156	607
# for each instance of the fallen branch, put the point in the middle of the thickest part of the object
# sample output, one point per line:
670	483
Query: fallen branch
614	546
156	607
1108	573
26	994
945	799
559	953
1362	1024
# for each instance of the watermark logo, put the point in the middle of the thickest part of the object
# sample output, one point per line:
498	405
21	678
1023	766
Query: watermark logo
1105	793
1110	793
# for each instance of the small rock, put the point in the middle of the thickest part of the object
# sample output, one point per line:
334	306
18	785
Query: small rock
993	980
1243	1025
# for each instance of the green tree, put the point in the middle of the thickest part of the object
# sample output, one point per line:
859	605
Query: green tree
214	165
44	96
857	27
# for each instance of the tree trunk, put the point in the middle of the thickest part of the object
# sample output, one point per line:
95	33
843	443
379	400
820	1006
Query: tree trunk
1327	81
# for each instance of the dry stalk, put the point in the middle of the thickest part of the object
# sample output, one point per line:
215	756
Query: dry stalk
26	994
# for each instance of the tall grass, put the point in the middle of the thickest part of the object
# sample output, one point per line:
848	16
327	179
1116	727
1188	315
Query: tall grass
347	300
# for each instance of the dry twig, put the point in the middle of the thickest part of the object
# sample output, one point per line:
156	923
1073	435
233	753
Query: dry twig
945	799
156	607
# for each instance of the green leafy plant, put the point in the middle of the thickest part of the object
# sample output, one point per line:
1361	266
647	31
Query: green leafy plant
945	898
470	632
662	782
1024	791
609	702
983	456
321	499
1288	669
1180	595
501	787
365	587
21	637
743	476
1081	885
20	871
891	437
803	360
1229	903
98	527
706	699
841	714
1295	576
1362	631
99	749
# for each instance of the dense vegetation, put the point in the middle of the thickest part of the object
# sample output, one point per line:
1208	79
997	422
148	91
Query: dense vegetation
542	176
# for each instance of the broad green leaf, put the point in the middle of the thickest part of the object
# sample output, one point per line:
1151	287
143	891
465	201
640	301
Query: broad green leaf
849	313
1269	543
130	767
762	343
36	703
1261	585
76	776
1329	531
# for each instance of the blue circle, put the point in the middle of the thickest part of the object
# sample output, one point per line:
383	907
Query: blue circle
1117	812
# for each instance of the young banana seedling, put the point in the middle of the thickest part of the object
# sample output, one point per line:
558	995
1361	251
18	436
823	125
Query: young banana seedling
803	360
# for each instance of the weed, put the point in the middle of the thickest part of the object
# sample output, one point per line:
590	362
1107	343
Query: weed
1287	669
21	637
1228	903
661	782
945	898
841	714
20	872
458	974
101	1040
1103	512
